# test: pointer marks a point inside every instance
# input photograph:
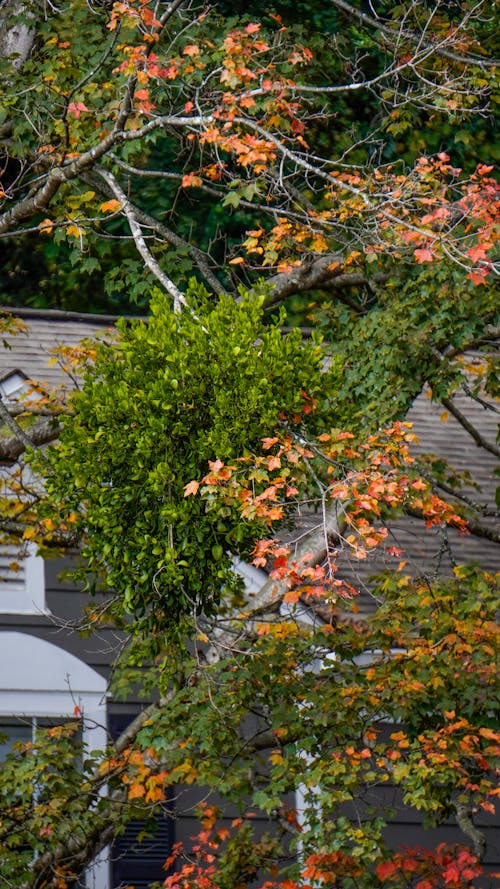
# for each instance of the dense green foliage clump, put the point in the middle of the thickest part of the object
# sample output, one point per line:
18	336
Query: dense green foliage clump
172	394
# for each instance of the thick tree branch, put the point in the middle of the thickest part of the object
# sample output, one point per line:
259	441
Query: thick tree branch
16	38
270	597
44	431
79	850
490	337
319	273
470	830
58	540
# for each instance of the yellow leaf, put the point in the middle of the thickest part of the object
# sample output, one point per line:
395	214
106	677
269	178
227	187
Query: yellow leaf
111	206
444	416
46	226
74	231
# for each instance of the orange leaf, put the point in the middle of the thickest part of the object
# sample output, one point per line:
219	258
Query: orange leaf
423	255
477	277
191	488
111	206
191	179
46	226
74	231
216	465
136	791
268	443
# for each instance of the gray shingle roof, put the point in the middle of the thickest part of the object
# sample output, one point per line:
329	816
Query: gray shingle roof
31	351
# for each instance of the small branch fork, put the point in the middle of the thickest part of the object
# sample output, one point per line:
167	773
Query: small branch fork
137	234
11	448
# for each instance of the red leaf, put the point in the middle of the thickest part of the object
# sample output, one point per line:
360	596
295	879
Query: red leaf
478	276
386	869
76	108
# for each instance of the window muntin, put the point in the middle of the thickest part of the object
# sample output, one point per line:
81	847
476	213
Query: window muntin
22	581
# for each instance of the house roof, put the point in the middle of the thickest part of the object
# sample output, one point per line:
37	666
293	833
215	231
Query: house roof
31	350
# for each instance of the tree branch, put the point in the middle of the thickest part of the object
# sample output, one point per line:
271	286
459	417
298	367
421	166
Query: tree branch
44	431
371	22
469	427
322	272
170	237
149	260
473	525
465	824
271	594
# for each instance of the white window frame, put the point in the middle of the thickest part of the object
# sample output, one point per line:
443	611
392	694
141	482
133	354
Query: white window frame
39	680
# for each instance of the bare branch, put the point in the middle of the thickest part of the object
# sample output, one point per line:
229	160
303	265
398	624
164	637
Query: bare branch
480	440
166	234
378	25
322	272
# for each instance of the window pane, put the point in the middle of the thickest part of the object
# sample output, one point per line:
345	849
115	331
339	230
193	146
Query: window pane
12	732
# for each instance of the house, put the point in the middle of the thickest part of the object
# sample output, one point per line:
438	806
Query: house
47	669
